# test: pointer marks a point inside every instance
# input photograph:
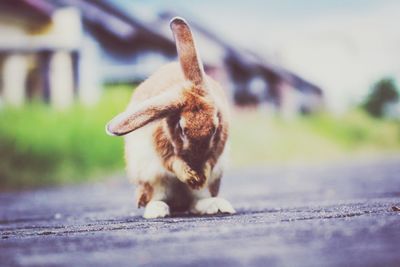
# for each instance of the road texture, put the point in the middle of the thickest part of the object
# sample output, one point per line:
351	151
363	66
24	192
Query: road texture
341	214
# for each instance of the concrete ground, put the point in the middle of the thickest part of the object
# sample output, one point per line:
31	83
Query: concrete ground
341	214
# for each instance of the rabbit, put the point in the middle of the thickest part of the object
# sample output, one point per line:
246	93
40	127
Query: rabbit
175	129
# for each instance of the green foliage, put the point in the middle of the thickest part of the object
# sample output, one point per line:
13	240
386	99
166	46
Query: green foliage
383	92
40	146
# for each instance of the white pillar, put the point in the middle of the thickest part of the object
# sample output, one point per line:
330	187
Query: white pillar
61	80
15	71
89	89
66	29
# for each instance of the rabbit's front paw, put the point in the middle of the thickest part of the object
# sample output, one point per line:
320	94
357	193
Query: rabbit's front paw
198	180
187	175
156	209
195	180
212	205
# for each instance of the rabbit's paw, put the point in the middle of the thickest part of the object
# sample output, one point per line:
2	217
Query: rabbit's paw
194	180
187	175
212	205
156	209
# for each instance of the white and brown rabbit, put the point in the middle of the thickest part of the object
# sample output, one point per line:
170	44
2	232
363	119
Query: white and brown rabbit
176	128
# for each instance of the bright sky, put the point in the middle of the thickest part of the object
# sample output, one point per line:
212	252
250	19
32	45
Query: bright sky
341	45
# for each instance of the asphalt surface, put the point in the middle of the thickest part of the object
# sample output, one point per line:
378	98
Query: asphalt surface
341	214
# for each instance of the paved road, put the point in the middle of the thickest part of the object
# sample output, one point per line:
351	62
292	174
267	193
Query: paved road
328	215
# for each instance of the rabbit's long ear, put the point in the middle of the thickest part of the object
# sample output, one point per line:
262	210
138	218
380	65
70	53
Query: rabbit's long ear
152	109
190	61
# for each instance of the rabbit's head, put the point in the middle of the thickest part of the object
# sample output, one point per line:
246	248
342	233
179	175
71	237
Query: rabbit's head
193	121
195	130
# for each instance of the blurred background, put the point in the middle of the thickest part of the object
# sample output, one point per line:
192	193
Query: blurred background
309	81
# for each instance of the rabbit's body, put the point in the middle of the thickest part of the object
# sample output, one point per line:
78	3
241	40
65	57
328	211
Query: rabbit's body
176	128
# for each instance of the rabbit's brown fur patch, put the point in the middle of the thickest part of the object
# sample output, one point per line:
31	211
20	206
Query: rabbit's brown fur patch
144	194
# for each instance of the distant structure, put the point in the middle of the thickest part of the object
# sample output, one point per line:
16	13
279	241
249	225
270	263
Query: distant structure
62	50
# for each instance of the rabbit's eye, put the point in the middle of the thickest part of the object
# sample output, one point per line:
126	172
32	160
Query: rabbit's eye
181	126
180	131
216	123
214	130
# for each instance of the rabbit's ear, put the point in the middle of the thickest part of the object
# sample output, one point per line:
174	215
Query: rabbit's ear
190	61
151	109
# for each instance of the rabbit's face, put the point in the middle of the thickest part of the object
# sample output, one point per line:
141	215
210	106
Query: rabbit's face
194	132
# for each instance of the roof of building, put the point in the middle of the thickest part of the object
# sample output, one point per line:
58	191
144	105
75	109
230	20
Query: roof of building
119	30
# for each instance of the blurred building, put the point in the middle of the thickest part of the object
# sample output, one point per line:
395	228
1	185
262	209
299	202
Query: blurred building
62	50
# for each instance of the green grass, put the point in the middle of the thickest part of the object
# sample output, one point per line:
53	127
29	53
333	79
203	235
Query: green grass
259	139
40	146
